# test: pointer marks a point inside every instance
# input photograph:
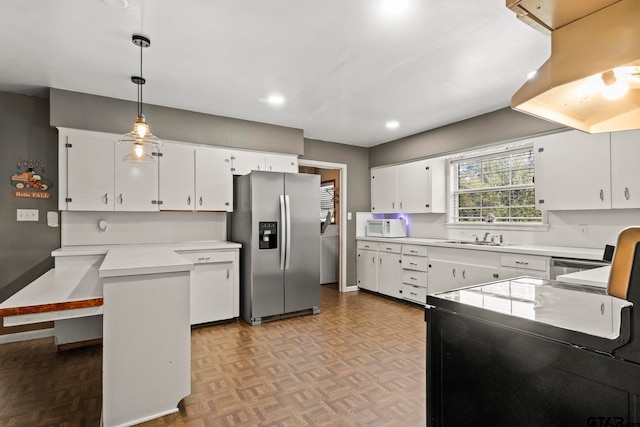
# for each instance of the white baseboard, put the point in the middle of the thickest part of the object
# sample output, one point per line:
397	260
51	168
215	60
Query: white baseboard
24	336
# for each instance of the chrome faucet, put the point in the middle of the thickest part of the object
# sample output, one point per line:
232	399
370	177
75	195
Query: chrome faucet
484	239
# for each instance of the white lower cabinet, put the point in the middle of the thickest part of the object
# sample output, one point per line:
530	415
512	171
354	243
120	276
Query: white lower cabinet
214	286
368	266
390	269
515	265
415	267
457	268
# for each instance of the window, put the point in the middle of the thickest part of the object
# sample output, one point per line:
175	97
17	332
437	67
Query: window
495	187
327	200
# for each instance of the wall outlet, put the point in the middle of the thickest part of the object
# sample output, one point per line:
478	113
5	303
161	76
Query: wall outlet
27	215
584	229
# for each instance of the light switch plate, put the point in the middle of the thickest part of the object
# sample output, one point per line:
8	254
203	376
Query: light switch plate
27	215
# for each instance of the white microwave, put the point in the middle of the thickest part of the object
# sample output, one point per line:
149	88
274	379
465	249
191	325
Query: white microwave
387	227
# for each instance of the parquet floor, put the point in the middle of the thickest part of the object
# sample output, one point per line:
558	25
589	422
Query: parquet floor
360	362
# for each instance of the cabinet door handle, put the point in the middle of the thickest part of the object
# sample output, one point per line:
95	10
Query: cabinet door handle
380	260
389	249
464	274
200	200
413	278
400	205
413	293
120	198
228	273
188	200
373	259
393	205
602	195
106	198
522	263
626	193
454	272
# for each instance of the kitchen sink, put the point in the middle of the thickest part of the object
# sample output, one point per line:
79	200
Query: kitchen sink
474	243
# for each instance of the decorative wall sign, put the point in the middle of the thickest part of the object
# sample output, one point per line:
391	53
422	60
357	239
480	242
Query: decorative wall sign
30	183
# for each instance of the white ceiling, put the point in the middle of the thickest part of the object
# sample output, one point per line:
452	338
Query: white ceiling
344	66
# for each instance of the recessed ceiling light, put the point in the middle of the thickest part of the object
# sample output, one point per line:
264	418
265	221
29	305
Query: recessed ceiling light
394	7
275	99
120	4
530	74
392	124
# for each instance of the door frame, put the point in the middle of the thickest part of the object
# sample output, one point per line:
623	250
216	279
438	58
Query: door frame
343	216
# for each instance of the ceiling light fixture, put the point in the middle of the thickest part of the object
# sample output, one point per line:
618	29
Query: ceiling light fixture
140	140
531	74
275	99
392	124
394	7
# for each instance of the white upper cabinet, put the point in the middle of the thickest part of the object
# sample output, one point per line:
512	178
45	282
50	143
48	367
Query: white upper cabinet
177	177
572	171
415	187
93	176
214	180
135	184
243	162
281	163
384	189
86	173
625	173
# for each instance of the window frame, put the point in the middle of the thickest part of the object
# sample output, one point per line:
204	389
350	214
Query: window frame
453	217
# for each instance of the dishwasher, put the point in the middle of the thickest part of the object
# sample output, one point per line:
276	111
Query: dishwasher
568	265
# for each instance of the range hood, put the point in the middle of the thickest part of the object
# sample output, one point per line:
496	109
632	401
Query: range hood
595	55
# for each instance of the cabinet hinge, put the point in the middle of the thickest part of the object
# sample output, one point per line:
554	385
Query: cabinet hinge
156	154
373	177
227	160
233	169
541	201
233	158
427	168
156	202
68	199
68	145
540	150
226	203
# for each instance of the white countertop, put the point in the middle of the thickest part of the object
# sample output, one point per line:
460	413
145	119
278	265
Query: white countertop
546	302
129	261
553	251
175	246
596	277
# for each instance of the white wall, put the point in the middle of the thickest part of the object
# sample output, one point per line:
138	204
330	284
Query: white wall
601	226
81	228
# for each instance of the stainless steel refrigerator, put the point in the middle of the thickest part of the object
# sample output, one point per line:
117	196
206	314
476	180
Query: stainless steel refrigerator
276	217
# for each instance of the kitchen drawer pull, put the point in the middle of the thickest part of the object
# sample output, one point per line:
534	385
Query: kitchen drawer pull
413	263
389	249
367	246
413	278
413	251
204	258
522	263
626	193
413	293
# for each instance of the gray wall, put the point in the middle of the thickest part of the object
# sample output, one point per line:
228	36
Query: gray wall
358	187
98	113
25	247
497	126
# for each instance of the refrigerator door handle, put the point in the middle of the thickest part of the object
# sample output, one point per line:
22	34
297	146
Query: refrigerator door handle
283	232
287	205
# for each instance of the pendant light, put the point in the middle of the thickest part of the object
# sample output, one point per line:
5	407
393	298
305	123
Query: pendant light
141	142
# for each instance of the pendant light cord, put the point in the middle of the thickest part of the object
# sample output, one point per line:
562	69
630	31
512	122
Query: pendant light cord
141	83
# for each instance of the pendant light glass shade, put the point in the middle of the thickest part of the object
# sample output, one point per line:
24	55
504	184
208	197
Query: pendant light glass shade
141	143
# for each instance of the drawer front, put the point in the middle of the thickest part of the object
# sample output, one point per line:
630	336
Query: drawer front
414	293
415	250
410	262
394	248
370	246
206	257
524	262
416	278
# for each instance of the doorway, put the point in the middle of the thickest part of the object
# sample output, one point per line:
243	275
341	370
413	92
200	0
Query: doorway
334	177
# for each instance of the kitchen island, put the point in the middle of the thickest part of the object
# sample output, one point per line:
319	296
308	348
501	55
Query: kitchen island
135	297
530	351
